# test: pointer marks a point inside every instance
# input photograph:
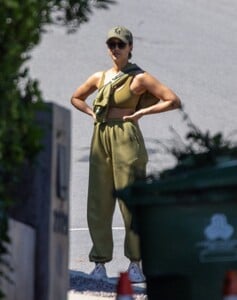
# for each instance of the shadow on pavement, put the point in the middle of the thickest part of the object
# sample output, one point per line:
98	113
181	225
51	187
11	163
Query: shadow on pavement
82	282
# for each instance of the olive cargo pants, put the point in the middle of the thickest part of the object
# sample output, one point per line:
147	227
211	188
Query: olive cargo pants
117	156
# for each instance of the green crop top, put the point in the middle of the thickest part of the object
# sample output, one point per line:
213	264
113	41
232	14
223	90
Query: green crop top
123	97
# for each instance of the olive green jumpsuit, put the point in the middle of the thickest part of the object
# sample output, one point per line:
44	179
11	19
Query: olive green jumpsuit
117	156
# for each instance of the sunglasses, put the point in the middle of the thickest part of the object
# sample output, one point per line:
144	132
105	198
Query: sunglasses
112	45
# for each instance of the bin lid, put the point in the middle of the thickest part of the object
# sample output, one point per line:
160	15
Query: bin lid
210	184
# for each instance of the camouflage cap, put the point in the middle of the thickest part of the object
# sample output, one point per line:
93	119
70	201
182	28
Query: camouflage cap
121	33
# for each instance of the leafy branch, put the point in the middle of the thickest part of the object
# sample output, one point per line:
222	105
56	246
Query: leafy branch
198	148
22	24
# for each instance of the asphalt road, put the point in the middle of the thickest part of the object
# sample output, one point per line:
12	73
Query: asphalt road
188	45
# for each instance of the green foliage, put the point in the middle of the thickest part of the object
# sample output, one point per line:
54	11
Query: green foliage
198	142
21	26
199	149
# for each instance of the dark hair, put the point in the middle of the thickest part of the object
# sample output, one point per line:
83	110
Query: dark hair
130	53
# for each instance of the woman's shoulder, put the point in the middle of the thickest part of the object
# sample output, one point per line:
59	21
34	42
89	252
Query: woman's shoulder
143	80
144	76
96	78
98	74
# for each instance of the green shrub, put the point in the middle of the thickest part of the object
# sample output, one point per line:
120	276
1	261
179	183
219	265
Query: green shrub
21	26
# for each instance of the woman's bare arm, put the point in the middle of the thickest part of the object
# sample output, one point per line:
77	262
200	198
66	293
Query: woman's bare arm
79	97
169	100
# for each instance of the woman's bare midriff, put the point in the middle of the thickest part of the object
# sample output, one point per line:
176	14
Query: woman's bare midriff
119	113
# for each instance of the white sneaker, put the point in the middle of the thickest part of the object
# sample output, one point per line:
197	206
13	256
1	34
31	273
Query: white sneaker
99	271
135	273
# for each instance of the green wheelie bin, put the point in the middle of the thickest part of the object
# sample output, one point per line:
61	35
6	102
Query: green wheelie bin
187	223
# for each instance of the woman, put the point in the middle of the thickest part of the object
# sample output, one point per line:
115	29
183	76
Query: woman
118	153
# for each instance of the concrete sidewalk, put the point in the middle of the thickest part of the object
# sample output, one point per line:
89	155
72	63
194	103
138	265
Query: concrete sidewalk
72	295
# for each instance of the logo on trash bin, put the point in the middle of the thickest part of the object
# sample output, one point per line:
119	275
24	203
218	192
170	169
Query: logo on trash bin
218	245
